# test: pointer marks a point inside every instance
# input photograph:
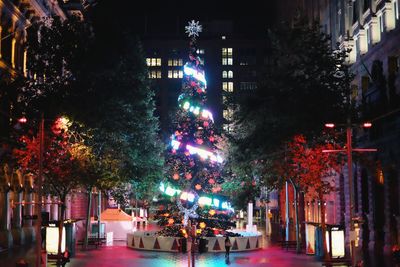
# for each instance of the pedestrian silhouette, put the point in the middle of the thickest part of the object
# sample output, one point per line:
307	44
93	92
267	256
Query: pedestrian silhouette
227	246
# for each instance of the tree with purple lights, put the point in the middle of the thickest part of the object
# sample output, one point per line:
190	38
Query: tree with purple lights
194	160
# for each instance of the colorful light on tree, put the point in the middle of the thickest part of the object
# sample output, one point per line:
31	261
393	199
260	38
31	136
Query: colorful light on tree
194	162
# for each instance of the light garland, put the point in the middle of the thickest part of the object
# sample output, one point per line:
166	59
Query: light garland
202	200
198	75
205	114
193	150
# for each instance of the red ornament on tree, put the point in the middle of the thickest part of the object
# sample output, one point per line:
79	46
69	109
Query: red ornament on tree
175	176
199	90
211	181
205	124
198	187
212	139
188	176
199	141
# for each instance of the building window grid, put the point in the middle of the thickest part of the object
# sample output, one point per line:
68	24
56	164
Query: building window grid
175	62
155	74
227	74
227	56
227	86
153	62
368	32
175	74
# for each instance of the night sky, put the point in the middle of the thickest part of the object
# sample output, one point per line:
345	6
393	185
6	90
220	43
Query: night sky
162	16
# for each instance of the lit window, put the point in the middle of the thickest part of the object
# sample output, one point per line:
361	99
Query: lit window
396	10
174	74
169	62
175	62
224	74
227	56
13	54
223	37
152	62
227	86
230	74
200	51
155	74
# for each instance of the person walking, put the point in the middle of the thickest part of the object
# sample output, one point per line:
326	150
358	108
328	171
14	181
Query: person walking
227	246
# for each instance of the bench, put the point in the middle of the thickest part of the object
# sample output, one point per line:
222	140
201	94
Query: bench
337	262
291	244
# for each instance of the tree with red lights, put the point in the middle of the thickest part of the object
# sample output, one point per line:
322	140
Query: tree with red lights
61	166
311	170
194	162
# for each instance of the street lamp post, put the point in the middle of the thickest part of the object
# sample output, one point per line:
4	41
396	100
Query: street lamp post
39	206
349	151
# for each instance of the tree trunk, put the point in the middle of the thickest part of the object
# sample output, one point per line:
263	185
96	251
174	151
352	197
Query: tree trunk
85	244
296	214
60	230
323	227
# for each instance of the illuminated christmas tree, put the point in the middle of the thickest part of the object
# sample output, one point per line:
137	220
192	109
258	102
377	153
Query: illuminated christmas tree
194	161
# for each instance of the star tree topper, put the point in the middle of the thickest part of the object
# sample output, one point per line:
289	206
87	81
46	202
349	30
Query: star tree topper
193	28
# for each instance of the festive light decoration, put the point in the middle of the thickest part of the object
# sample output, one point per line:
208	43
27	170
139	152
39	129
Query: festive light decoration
202	225
194	153
205	114
202	200
193	29
193	150
198	75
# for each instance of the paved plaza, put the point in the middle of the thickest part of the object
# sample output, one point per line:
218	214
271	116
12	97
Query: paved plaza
121	256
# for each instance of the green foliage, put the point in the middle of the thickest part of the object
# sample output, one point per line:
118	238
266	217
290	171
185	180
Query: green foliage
305	85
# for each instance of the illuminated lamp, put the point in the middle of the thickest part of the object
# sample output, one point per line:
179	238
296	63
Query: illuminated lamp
52	240
367	125
211	181
176	176
198	187
198	231
187	196
329	125
202	225
175	144
170	221
22	120
188	176
211	212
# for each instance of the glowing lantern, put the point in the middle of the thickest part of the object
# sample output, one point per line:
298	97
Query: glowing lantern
170	221
198	187
188	176
212	212
205	124
176	176
202	225
198	231
211	138
211	181
199	141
